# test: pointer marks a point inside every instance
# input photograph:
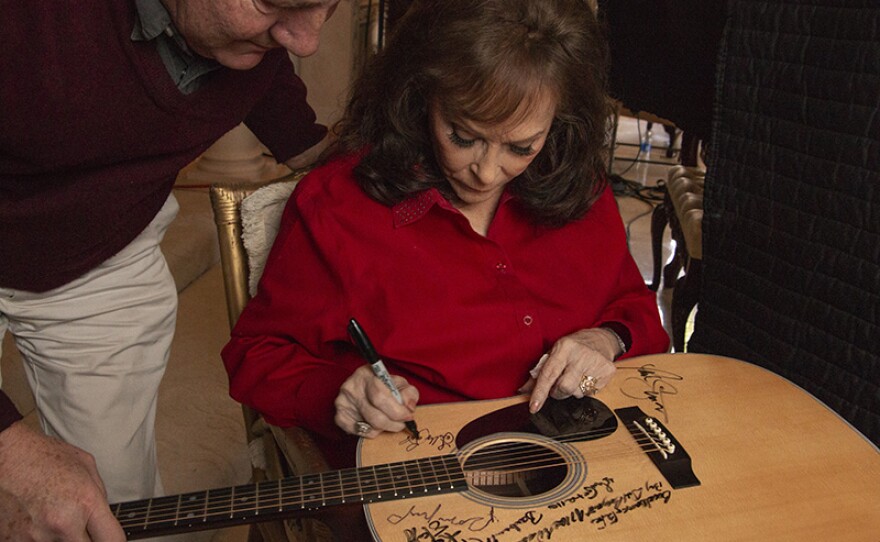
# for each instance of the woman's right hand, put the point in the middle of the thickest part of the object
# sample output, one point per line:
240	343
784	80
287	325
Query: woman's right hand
363	398
585	354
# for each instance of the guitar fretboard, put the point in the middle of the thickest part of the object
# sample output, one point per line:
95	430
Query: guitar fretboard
289	497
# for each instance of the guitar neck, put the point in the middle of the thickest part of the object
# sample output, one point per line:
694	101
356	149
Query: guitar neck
288	497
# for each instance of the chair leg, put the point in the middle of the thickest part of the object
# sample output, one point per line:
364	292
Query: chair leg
659	220
679	255
671	271
670	131
690	150
684	299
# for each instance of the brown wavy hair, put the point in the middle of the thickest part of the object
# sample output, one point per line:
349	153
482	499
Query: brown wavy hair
481	59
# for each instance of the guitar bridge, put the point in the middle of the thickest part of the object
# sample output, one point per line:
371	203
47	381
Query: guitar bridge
667	454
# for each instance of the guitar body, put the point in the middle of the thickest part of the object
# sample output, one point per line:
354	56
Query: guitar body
769	462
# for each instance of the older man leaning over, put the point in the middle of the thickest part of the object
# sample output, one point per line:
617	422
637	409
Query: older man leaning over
103	102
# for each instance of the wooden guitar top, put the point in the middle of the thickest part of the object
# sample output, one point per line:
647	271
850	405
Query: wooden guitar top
772	463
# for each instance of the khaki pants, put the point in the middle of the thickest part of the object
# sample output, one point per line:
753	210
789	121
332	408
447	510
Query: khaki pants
95	350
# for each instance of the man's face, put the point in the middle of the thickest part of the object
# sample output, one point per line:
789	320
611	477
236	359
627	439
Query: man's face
237	33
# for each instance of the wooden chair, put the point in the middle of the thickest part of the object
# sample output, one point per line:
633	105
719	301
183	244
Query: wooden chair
275	452
682	210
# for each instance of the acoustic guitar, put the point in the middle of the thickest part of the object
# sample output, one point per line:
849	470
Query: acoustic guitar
679	447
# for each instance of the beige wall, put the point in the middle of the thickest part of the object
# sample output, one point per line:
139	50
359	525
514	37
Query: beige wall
327	73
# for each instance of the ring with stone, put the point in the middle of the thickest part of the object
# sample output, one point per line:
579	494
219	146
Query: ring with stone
362	428
588	385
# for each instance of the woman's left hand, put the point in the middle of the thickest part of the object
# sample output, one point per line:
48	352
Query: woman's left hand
586	356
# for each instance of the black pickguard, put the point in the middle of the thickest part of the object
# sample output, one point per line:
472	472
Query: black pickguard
568	419
573	420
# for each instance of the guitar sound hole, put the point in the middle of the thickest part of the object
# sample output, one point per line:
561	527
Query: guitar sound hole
515	469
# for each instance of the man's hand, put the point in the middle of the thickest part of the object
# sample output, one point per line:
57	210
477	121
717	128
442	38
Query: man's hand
50	491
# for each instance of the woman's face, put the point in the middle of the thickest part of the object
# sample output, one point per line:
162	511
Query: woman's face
238	33
479	159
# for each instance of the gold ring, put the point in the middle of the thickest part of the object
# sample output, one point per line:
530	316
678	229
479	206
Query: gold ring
588	385
362	428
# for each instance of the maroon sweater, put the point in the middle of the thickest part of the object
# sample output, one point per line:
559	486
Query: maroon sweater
93	132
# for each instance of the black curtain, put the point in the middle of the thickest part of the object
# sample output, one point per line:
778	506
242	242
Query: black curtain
663	57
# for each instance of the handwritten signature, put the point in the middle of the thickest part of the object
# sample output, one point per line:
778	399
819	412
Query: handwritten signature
473	523
589	492
632	500
601	512
436	531
531	517
602	508
652	385
440	442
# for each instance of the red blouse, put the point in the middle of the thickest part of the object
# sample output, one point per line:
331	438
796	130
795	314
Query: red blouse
459	315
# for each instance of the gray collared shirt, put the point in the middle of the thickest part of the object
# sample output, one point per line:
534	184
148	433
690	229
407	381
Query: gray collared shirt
153	23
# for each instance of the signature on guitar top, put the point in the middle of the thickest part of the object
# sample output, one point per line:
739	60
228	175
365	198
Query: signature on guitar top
678	447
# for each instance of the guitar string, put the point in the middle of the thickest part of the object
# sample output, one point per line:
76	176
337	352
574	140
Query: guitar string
161	517
159	513
224	510
496	452
170	509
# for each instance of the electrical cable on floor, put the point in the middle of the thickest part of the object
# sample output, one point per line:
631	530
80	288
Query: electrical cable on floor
626	187
634	161
632	220
650	195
